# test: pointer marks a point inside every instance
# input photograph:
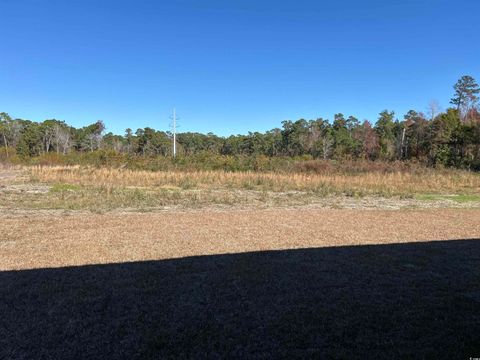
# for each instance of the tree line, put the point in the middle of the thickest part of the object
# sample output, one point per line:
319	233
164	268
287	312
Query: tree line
448	138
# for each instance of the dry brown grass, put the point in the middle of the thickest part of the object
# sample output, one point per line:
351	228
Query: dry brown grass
371	183
108	189
315	296
274	283
51	241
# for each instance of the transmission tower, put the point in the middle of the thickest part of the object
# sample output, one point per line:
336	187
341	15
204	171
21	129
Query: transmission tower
174	131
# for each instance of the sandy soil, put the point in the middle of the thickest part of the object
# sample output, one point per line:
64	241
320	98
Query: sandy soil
56	241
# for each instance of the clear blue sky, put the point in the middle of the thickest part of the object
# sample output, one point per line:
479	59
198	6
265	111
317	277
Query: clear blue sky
231	66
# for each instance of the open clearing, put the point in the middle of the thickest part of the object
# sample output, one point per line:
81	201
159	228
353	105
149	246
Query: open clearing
282	283
335	277
106	190
55	241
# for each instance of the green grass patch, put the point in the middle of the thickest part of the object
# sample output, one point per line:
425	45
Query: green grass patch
64	187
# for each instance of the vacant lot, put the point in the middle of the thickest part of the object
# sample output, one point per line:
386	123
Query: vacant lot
260	280
97	190
53	241
241	283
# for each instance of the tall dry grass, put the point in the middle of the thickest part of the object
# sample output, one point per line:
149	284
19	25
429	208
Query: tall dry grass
377	183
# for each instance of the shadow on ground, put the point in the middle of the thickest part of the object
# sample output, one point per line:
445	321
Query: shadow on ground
416	300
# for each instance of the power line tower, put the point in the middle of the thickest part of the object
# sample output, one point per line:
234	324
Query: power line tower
174	131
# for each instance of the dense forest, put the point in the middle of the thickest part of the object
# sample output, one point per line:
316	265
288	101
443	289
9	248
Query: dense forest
449	138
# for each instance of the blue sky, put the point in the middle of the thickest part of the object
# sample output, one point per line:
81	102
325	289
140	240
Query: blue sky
231	66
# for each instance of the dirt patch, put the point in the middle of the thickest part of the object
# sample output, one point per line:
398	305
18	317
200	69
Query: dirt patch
8	175
16	181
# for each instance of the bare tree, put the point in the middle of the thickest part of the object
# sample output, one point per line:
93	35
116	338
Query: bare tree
433	109
327	144
62	138
48	137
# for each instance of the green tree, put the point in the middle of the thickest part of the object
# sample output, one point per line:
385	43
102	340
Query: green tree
89	138
31	142
417	131
5	121
385	128
345	145
443	137
465	97
293	135
10	131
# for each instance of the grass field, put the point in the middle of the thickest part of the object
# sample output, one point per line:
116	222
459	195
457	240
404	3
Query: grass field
107	189
366	183
282	270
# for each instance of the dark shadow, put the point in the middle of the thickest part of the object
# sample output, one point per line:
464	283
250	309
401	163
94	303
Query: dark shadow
415	300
